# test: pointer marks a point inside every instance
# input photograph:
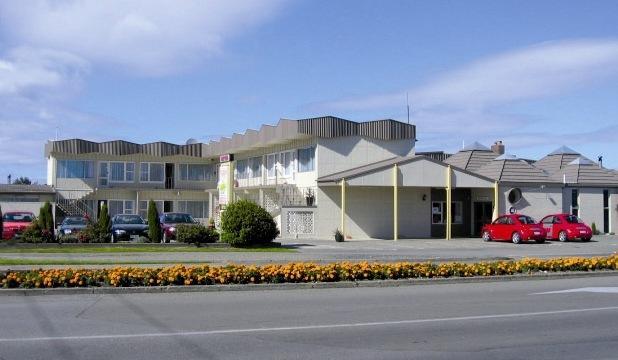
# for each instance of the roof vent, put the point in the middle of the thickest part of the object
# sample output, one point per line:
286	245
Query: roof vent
581	161
191	141
498	147
507	157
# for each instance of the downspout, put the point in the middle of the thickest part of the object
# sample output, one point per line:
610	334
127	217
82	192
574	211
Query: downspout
343	215
496	202
395	203
448	203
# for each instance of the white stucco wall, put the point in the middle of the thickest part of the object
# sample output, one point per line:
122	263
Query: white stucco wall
344	153
370	212
536	201
591	206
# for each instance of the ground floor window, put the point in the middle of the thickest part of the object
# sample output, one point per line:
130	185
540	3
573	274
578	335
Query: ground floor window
197	209
438	212
143	207
116	207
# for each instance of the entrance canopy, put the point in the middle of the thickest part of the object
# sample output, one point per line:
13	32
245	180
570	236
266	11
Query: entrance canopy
412	171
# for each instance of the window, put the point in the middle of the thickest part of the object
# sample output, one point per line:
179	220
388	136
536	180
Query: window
241	169
103	174
575	202
143	207
514	196
271	161
526	219
438	212
120	207
122	171
255	167
196	172
151	172
606	211
75	169
287	162
306	159
548	220
197	209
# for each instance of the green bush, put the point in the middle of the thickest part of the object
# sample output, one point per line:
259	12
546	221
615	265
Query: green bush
595	231
32	234
244	223
46	218
154	227
196	234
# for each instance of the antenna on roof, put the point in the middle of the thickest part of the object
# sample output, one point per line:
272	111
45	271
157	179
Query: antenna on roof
408	106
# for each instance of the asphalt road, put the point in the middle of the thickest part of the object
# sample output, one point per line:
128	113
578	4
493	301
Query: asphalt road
541	319
370	250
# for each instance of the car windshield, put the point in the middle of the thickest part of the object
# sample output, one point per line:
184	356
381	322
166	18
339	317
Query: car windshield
177	218
526	219
572	219
129	219
75	221
18	217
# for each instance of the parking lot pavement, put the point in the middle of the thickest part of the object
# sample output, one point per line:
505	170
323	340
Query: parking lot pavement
359	250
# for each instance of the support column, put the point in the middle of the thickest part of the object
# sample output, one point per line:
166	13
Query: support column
395	203
261	197
449	205
210	206
496	202
343	209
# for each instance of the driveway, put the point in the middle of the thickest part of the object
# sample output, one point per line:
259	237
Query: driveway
360	250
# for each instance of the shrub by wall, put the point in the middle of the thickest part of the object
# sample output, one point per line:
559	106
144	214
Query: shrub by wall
154	227
196	234
244	223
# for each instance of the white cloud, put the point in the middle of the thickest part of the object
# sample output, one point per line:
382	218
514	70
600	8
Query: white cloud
147	37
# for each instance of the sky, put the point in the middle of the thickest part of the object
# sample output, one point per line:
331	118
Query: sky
536	74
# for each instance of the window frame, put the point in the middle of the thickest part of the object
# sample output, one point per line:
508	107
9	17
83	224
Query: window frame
149	172
124	207
442	205
312	158
125	171
88	169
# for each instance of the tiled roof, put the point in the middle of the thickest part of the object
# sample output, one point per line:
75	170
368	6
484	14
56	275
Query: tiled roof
508	168
40	189
471	158
557	159
583	171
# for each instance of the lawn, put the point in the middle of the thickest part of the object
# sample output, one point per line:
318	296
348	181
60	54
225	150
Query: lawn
111	249
41	262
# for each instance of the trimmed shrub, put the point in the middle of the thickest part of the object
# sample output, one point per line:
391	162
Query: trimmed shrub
103	227
339	236
32	234
244	223
154	227
196	234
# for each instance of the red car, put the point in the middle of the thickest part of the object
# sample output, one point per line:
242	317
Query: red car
15	222
515	228
169	221
566	227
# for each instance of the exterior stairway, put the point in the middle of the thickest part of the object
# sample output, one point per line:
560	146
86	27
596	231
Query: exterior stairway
72	203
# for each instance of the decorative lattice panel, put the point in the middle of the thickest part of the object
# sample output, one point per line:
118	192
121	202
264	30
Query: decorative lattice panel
271	201
299	222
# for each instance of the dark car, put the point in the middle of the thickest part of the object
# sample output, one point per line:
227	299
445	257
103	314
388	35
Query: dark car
15	222
169	221
127	227
72	225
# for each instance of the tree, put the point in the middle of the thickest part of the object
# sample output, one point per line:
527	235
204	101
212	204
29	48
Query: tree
245	223
154	227
104	224
22	181
46	217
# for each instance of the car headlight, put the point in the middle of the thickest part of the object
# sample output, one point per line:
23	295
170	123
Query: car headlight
68	231
119	232
172	229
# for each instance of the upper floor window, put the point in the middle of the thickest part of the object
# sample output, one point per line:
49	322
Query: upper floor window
122	171
242	169
196	172
75	169
306	159
151	172
255	167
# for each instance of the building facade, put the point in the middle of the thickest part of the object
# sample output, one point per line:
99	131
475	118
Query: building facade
322	174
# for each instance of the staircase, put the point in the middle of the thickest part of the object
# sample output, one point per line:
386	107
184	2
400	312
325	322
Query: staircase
72	203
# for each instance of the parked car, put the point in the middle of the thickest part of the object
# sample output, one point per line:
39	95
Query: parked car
169	221
515	228
127	227
565	227
72	225
15	222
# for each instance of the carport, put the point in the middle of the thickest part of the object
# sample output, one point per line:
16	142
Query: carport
411	196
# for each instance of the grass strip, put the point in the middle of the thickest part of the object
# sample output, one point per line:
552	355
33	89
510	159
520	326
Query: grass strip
76	249
41	262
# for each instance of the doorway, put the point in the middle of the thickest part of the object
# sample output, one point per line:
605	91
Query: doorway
483	212
168	206
169	176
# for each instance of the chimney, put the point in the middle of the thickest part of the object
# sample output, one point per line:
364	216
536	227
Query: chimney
498	147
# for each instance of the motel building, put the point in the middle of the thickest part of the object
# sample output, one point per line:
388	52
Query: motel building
321	174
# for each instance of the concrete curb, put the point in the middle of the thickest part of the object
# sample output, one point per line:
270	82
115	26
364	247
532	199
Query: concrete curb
302	286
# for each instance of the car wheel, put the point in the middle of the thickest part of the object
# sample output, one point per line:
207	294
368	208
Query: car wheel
563	236
540	241
486	237
516	238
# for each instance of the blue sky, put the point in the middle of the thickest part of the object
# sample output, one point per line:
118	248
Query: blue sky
535	75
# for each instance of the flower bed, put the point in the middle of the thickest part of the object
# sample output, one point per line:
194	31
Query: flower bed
292	273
